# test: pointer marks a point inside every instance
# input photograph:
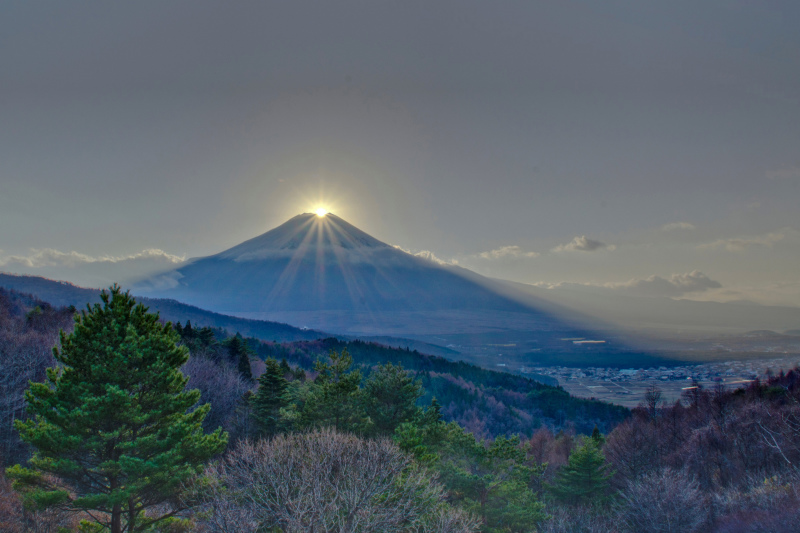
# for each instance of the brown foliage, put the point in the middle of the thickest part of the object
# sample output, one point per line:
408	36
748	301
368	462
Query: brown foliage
28	332
664	502
223	387
325	481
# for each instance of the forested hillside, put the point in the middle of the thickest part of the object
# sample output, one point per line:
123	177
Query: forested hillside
320	430
485	402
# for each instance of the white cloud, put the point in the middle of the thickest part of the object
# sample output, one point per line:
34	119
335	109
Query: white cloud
507	251
740	244
676	285
676	226
430	256
583	244
49	257
427	254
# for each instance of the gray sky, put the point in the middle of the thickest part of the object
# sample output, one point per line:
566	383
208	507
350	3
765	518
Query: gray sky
546	142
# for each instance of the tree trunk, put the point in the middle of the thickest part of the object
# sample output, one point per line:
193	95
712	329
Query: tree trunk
116	519
131	516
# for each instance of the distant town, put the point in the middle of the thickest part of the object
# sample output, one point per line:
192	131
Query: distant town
626	386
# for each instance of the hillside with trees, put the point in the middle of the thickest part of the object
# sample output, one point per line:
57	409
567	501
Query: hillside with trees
142	426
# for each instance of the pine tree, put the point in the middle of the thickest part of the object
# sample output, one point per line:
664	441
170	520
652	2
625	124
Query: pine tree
333	399
285	368
584	479
390	398
272	395
114	430
597	437
239	354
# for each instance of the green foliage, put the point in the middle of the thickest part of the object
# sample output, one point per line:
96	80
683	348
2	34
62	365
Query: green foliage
584	479
272	396
470	393
113	428
493	481
390	398
333	400
597	437
239	354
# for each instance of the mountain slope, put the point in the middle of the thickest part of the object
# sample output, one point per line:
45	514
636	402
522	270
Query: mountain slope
324	273
60	293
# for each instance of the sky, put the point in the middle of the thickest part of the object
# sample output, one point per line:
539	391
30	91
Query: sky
634	145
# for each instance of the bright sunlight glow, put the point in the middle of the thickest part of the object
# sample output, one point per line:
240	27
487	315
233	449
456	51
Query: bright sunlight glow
321	212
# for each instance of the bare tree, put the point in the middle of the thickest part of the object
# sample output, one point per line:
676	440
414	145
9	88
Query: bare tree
25	352
326	482
581	519
220	385
664	502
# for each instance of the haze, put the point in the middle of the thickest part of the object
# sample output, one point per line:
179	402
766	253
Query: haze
648	148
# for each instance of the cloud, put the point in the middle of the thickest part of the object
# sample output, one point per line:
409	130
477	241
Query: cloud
677	225
583	244
49	257
740	244
507	251
676	285
91	271
430	256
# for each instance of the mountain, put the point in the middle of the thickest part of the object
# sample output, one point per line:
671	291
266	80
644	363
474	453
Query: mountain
325	273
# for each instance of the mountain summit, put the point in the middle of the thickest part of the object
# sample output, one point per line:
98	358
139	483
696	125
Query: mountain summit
302	233
324	273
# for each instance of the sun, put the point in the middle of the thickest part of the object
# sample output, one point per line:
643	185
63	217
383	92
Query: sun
321	212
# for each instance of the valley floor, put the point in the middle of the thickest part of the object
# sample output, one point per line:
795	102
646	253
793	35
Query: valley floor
627	386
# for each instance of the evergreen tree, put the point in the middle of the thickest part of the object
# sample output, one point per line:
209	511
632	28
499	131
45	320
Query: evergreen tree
493	481
390	398
584	479
271	396
114	430
333	398
285	368
597	437
239	354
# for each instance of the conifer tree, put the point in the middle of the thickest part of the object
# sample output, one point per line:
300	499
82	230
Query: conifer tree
271	396
584	479
115	433
390	398
333	399
597	437
239	354
285	368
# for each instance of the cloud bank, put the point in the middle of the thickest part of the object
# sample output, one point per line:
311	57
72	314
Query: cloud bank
675	285
49	257
90	271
